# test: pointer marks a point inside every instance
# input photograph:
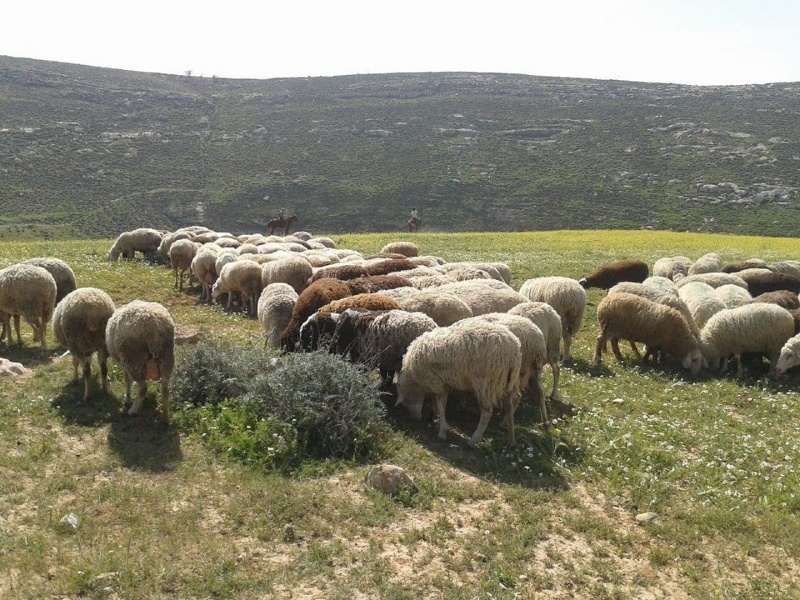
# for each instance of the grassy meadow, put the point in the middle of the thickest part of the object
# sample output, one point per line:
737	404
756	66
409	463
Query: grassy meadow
158	514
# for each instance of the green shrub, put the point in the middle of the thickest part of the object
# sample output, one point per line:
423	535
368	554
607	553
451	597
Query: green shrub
279	414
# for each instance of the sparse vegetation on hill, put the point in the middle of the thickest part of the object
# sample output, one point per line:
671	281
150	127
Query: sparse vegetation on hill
90	152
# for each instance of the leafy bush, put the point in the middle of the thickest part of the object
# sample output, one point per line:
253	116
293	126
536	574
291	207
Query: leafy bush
279	413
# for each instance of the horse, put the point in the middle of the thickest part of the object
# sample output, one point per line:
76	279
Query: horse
276	224
413	225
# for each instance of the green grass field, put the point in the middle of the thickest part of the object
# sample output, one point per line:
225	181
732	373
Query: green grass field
159	515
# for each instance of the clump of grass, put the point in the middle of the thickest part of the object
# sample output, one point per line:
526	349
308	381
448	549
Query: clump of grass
280	414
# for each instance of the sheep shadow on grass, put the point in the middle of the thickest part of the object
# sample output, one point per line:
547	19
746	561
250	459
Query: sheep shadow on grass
100	409
144	443
529	463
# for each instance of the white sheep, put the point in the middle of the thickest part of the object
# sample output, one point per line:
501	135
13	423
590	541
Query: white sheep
79	324
490	268
484	295
275	306
789	356
755	327
534	355
713	279
787	267
144	240
294	270
204	268
708	263
140	337
325	241
637	319
240	277
669	267
702	301
547	320
566	296
442	307
405	248
29	292
181	254
484	359
657	294
61	272
733	295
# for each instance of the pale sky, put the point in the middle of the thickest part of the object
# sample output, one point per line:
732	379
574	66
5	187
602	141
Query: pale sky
700	42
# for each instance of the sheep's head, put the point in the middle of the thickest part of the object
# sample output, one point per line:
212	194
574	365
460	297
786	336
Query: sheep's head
409	396
113	254
789	358
693	361
216	290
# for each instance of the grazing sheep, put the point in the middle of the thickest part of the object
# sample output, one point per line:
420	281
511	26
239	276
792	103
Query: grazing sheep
787	267
342	272
162	253
567	296
325	241
315	296
79	324
380	338
376	283
661	283
669	267
144	240
547	320
733	295
702	301
431	281
320	328
708	263
204	268
761	282
636	319
407	249
534	355
489	268
275	307
610	275
754	327
752	263
783	298
484	295
445	309
401	294
484	359
140	337
181	254
302	235
789	356
795	312
61	272
713	279
294	270
29	292
240	277
384	267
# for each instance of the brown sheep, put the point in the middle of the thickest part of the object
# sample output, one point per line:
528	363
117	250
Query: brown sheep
610	275
314	297
783	298
340	272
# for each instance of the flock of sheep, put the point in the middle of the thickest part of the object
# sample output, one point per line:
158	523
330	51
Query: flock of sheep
442	327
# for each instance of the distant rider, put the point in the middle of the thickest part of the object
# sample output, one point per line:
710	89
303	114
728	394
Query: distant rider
281	218
414	216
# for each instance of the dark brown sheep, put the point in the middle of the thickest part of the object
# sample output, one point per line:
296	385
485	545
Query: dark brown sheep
610	275
748	264
370	285
783	298
314	297
760	282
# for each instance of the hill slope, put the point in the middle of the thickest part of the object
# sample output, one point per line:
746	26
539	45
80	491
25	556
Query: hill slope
87	151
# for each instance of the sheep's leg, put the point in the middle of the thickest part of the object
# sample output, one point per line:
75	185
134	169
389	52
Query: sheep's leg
556	374
538	391
598	348
87	379
140	396
511	407
165	400
102	358
482	424
175	285
441	405
635	350
75	364
739	370
615	348
567	345
128	383
16	328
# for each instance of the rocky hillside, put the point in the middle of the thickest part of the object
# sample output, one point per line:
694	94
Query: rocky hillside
89	152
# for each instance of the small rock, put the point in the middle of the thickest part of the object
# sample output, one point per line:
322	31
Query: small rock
11	369
186	335
646	517
618	401
389	479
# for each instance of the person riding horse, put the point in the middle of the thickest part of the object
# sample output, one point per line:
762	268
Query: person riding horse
414	216
281	218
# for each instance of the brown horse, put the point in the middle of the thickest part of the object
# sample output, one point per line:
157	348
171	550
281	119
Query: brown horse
276	224
413	225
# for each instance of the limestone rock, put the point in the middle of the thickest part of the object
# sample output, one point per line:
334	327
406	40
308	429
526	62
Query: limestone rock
389	479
